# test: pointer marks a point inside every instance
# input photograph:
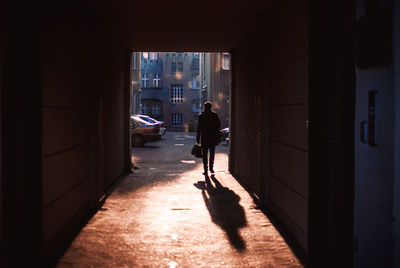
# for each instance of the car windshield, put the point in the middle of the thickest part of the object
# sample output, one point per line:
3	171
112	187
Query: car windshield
147	118
140	121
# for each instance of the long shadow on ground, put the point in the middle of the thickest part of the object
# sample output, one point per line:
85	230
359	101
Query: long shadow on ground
225	210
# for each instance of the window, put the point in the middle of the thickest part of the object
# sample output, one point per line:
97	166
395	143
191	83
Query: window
153	55
156	109
196	107
180	67
173	67
225	61
176	119
176	93
195	81
145	55
144	109
156	80
145	78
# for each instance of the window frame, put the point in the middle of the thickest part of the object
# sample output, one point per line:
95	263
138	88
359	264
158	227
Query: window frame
176	95
157	80
173	67
176	119
226	59
180	67
145	79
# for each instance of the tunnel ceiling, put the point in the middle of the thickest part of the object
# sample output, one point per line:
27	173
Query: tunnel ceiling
161	25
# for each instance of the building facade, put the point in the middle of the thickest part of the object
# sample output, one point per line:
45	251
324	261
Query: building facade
170	86
135	82
215	83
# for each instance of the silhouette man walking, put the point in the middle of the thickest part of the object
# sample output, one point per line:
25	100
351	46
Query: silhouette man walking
208	135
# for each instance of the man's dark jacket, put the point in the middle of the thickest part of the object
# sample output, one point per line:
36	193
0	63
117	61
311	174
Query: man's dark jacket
208	129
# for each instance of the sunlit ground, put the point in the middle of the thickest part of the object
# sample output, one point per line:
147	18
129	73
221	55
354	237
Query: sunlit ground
166	214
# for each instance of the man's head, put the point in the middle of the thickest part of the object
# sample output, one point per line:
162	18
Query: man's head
207	106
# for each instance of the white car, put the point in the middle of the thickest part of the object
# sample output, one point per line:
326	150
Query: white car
154	121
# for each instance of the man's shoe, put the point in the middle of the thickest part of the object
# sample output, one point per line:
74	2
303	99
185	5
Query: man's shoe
212	170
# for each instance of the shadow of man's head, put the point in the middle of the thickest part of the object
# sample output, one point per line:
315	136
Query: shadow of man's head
201	185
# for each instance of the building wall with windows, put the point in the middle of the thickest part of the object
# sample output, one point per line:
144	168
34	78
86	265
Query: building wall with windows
153	94
170	86
172	90
181	77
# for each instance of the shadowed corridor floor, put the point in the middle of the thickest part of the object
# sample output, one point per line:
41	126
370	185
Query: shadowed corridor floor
165	214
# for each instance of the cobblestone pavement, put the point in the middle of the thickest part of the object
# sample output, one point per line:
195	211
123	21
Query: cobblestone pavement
166	214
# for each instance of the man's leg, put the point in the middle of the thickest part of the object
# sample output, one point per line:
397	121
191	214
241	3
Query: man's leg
205	152
212	155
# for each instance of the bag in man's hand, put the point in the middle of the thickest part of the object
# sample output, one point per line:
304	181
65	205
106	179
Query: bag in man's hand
196	151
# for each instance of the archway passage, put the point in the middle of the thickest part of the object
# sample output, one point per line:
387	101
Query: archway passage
77	97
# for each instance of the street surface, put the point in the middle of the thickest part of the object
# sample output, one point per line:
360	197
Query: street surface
165	214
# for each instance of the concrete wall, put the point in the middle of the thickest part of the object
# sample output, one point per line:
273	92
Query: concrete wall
373	205
270	138
83	120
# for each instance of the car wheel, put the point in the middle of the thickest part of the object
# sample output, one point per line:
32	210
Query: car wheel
138	140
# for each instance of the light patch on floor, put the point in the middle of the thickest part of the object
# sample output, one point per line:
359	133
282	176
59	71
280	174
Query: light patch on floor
174	197
188	161
174	236
179	144
172	264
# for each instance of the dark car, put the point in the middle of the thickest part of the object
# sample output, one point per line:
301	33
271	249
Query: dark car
142	131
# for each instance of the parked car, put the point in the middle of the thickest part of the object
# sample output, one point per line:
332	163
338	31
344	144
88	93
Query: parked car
152	120
143	131
225	135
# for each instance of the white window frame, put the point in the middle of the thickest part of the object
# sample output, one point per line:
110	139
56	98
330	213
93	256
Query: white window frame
153	56
157	80
176	93
144	80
